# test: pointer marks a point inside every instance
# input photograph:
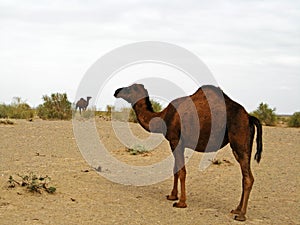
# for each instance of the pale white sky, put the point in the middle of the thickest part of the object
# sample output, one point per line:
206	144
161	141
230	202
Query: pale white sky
251	47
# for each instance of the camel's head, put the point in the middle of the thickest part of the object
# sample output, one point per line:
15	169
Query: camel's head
132	93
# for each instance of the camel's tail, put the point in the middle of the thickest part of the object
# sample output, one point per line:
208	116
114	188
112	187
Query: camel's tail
256	122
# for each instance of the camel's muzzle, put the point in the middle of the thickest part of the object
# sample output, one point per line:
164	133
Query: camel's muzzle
117	92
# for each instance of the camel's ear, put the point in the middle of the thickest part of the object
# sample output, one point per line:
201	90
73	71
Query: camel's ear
141	85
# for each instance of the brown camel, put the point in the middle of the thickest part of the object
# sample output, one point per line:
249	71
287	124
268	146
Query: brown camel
82	104
184	119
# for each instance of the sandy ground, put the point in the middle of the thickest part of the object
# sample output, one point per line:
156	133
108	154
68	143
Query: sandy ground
85	197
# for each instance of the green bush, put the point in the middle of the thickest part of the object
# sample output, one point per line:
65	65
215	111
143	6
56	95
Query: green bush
157	107
294	121
32	182
265	114
18	109
4	111
56	106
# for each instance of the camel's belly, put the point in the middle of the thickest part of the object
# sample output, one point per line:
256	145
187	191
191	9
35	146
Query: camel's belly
206	141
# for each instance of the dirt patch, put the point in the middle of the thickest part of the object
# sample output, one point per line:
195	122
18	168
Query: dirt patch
84	197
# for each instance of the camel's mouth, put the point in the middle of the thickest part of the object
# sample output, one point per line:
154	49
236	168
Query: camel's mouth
117	92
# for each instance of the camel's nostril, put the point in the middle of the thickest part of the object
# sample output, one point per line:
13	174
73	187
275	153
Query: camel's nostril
117	92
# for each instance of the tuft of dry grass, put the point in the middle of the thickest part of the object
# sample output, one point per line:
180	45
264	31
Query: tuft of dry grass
137	150
7	122
219	162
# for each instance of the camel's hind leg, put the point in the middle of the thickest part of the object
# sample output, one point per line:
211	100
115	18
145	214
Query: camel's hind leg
241	143
182	200
247	183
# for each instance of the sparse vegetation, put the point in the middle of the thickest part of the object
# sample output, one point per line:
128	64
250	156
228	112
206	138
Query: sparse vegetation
282	120
216	162
109	109
294	120
137	149
4	111
265	114
128	114
32	183
56	106
121	115
18	109
89	113
219	162
157	107
132	116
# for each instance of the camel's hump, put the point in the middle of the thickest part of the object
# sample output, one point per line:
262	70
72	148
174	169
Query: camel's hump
209	89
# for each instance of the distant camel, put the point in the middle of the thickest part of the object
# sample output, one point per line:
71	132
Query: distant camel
179	123
82	104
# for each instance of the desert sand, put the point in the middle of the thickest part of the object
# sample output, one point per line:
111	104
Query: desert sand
83	196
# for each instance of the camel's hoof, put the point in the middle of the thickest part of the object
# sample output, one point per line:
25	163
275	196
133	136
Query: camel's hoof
172	197
180	205
240	217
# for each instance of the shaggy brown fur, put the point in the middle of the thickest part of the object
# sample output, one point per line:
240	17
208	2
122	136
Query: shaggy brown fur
205	121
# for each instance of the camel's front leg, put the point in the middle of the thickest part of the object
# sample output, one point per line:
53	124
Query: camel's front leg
174	194
179	172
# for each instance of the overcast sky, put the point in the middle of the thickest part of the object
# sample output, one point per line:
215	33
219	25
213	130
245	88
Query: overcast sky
251	47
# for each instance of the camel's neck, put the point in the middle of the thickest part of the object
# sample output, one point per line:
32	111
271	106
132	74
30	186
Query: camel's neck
144	112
